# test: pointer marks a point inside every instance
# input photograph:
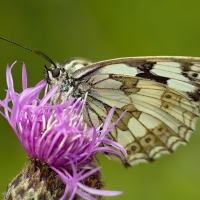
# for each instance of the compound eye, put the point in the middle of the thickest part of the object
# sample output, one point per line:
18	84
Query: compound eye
56	72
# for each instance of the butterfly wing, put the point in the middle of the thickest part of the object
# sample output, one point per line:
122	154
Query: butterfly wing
160	96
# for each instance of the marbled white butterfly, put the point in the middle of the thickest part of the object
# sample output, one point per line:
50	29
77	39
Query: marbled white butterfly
161	96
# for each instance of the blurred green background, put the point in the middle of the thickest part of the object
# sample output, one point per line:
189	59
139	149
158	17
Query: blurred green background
99	30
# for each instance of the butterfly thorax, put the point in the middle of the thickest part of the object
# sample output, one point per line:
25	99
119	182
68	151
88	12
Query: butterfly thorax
62	76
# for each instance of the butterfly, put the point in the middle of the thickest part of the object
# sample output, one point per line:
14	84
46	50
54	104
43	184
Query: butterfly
160	94
161	97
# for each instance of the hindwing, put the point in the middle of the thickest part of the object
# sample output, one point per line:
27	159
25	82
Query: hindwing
160	96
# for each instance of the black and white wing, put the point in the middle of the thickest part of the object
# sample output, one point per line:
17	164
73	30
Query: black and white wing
160	94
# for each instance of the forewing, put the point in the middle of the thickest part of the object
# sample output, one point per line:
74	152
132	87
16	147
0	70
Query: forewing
160	96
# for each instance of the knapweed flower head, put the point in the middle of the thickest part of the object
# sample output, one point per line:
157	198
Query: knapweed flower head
56	136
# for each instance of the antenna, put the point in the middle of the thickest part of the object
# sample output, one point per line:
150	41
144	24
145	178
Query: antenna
37	52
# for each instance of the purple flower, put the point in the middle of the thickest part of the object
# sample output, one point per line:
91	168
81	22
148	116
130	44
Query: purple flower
57	136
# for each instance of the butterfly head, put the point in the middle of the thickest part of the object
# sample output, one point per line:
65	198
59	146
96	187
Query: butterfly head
56	74
62	76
